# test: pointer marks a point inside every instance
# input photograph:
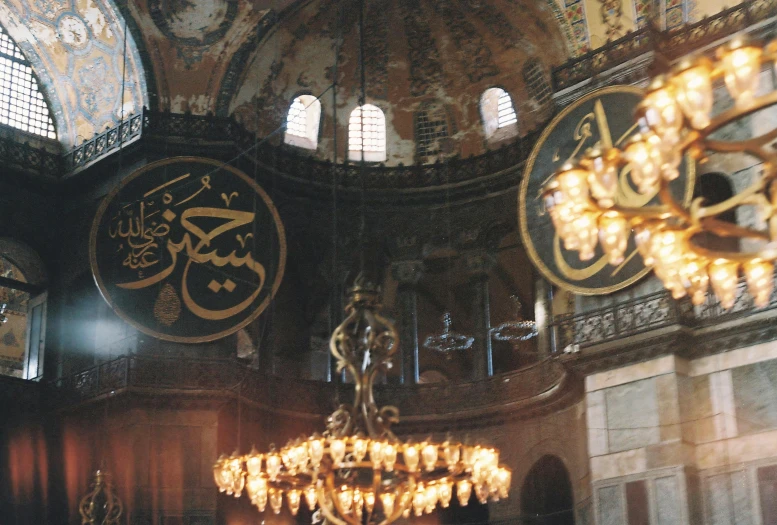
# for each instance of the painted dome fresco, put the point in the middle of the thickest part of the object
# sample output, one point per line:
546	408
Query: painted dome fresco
442	77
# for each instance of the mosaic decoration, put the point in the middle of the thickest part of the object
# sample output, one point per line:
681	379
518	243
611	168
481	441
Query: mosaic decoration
376	47
475	55
611	12
675	14
641	12
425	68
76	49
576	17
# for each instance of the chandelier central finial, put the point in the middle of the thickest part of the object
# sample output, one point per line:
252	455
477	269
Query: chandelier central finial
358	472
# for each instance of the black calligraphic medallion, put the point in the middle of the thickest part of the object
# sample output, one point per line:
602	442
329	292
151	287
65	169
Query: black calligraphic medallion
606	117
188	249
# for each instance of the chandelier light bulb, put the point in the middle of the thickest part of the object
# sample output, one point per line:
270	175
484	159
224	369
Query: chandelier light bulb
573	183
387	500
741	68
369	501
311	497
603	177
724	279
661	112
276	500
389	456
463	491
695	278
760	278
337	450
642	238
587	232
316	450
360	449
693	85
293	500
273	466
376	454
431	499
644	161
411	457
613	236
429	455
444	493
254	463
452	453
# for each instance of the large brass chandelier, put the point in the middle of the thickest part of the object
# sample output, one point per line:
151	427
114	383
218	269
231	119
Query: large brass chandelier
358	472
675	121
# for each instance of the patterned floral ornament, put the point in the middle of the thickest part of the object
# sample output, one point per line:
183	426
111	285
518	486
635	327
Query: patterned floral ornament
612	17
575	13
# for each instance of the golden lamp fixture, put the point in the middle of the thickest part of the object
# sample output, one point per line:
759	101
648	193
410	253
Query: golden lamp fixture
675	120
358	472
101	506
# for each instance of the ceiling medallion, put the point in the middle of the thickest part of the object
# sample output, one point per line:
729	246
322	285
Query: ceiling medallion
675	120
358	472
448	342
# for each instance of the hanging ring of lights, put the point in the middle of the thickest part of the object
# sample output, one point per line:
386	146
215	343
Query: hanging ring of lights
517	330
675	119
358	472
448	342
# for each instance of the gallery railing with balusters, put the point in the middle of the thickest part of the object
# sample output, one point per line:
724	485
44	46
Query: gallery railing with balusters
574	332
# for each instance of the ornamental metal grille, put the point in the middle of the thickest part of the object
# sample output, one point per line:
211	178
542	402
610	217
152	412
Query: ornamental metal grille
537	84
367	133
431	124
505	110
22	105
296	122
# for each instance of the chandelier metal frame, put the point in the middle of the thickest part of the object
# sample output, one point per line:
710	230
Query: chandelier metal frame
358	472
675	121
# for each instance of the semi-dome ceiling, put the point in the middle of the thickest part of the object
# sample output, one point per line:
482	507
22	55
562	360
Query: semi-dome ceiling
440	52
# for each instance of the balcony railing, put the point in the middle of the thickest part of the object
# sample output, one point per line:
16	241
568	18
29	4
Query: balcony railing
648	313
670	44
102	145
160	375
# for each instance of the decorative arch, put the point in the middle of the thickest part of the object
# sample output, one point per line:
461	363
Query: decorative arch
546	493
77	50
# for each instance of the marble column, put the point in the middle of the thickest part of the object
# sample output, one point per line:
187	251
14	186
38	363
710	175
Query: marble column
543	315
407	274
479	265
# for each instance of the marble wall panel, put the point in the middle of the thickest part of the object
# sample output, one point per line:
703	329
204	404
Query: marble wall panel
610	506
756	405
667	500
727	499
632	415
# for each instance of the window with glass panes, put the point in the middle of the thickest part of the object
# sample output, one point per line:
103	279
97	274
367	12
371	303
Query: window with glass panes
22	105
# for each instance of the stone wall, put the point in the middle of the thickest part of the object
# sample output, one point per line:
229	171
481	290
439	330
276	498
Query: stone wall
683	441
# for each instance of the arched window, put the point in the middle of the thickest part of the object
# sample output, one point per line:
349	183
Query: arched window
367	134
431	128
537	84
22	105
302	122
498	113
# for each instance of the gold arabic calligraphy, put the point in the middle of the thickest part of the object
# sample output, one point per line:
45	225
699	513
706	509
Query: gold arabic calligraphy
144	236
